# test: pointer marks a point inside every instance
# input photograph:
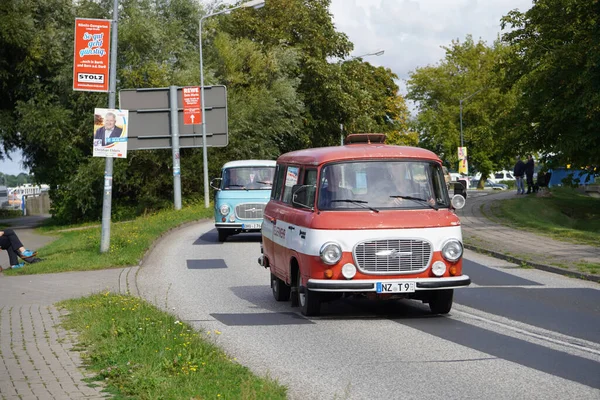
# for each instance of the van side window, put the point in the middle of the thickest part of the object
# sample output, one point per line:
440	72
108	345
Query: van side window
279	177
310	178
291	179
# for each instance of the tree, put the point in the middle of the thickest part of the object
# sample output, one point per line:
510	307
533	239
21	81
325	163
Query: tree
353	93
468	73
32	51
554	65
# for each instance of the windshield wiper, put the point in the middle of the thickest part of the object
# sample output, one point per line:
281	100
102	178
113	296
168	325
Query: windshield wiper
361	203
265	183
423	201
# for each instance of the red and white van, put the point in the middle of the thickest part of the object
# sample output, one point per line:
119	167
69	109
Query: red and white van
365	218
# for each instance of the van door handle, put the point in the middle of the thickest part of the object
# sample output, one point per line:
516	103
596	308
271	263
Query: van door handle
291	228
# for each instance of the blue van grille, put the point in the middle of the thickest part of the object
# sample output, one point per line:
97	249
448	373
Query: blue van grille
392	256
250	210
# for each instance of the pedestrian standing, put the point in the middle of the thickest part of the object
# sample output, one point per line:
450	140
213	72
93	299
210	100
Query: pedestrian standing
519	172
529	166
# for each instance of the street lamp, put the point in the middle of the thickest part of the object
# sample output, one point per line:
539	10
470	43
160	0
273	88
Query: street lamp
460	102
377	53
254	4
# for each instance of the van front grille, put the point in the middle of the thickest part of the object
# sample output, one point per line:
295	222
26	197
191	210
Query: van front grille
392	256
250	210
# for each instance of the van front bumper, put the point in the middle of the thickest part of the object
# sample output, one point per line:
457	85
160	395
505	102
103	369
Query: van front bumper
370	285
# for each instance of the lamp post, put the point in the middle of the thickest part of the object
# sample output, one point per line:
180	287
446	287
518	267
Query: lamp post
460	102
376	53
254	4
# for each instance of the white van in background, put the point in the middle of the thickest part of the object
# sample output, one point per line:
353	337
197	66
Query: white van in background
497	177
500	176
456	177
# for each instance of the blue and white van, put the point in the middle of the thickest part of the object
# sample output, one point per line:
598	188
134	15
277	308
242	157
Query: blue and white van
242	192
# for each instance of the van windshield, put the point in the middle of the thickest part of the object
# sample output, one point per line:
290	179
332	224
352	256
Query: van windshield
248	178
382	184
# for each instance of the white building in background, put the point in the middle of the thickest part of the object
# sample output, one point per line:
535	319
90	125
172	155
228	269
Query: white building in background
15	194
3	196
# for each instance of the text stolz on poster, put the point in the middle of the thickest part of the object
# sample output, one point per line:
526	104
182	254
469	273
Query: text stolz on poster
92	49
110	133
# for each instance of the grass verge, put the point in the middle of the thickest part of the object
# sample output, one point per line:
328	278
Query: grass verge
79	249
565	215
141	352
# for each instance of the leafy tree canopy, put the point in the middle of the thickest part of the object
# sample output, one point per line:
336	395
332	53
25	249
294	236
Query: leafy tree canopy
554	65
466	75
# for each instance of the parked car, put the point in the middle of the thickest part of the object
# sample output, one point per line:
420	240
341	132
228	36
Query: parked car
489	185
500	176
242	193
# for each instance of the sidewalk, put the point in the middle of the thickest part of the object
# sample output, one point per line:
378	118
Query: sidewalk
520	246
37	356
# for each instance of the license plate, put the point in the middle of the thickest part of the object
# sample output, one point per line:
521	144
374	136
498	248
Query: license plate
256	225
395	287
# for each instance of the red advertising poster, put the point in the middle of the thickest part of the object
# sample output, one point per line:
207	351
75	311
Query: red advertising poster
191	105
92	49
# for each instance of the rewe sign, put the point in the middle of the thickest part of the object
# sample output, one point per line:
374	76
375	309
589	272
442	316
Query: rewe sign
92	49
191	106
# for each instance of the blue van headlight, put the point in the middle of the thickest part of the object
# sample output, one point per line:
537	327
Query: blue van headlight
224	209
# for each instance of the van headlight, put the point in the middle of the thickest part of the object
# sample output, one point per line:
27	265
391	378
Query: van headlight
452	250
224	209
331	253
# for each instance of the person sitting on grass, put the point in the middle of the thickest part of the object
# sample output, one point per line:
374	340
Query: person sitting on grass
10	242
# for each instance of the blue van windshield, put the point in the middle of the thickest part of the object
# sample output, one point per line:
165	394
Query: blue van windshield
248	178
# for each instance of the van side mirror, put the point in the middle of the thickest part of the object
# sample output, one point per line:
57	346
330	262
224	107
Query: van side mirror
215	183
303	196
459	187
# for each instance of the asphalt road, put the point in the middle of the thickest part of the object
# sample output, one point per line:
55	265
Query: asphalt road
514	333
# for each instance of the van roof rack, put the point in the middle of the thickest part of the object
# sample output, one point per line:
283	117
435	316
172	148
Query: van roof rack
367	138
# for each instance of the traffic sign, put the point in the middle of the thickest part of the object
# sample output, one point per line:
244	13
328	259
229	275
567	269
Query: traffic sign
191	106
149	122
92	49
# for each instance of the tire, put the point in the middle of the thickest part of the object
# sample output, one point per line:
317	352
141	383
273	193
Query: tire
440	301
281	291
222	235
309	302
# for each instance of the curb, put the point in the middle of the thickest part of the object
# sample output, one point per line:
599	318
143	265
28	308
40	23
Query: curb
543	267
165	233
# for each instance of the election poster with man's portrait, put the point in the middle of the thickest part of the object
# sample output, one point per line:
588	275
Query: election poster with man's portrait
110	133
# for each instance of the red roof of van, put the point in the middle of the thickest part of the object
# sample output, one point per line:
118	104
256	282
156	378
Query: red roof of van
358	151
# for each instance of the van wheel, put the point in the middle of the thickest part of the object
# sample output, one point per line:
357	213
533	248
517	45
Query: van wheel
281	291
440	301
222	235
310	302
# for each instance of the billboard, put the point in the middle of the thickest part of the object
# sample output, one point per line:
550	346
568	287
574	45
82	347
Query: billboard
91	57
463	163
110	133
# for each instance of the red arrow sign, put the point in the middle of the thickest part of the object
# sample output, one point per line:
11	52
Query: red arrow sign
191	106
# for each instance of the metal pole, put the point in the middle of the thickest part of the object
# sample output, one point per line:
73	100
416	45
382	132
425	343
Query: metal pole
461	132
341	134
204	151
175	146
108	169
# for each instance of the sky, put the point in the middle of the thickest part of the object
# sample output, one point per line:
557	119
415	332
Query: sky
411	32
